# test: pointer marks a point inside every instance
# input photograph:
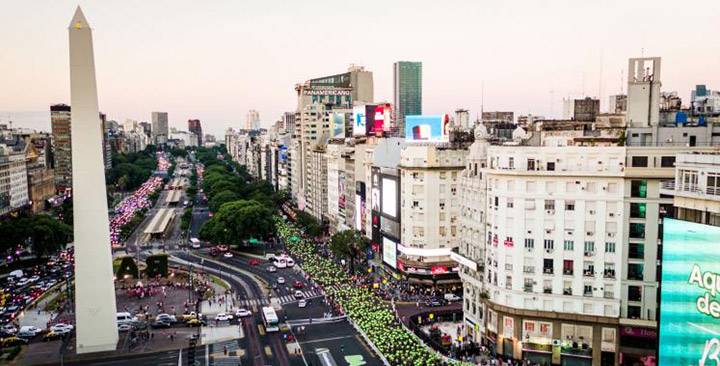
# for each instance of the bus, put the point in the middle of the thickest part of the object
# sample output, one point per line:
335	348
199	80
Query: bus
270	319
280	262
324	356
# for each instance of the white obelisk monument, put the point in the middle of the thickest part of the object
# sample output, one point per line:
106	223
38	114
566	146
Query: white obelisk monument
95	310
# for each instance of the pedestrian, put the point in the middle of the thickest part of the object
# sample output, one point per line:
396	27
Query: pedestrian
225	350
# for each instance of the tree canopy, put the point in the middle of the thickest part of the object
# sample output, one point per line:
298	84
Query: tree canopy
238	221
43	233
349	244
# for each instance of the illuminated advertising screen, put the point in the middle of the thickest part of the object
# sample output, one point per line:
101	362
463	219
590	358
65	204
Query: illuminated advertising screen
690	294
360	192
337	125
359	123
341	190
389	252
427	128
381	118
283	154
389	196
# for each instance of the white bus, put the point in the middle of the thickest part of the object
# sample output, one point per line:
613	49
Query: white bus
270	319
280	262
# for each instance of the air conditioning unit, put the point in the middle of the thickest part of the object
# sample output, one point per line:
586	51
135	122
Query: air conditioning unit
550	212
611	214
556	342
548	251
592	212
611	235
548	231
529	231
590	233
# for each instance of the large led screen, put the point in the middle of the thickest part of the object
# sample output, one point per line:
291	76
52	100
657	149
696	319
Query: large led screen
389	197
389	252
381	118
689	304
337	125
359	126
427	128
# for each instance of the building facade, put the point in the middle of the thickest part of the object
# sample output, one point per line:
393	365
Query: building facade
160	132
61	146
195	127
407	91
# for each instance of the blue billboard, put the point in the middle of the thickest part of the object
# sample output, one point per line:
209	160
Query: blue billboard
689	290
427	128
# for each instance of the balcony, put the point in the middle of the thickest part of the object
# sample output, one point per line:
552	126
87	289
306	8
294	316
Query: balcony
548	271
528	288
588	273
547	290
568	272
567	291
609	273
529	269
688	190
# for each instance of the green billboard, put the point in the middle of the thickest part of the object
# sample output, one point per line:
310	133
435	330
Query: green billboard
689	290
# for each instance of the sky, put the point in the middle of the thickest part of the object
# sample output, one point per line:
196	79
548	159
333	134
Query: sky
217	59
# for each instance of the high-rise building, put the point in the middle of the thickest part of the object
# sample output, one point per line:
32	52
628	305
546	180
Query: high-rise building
195	127
289	122
13	174
253	120
107	154
160	131
407	89
61	146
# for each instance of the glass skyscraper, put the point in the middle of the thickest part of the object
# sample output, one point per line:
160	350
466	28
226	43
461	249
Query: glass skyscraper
407	84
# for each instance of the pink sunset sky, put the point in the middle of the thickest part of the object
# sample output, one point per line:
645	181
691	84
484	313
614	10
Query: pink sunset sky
215	60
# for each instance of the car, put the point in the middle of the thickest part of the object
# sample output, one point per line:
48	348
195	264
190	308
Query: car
228	255
254	262
25	334
51	336
214	252
124	327
13	341
271	269
298	284
452	297
166	318
298	295
435	302
223	317
241	313
290	262
31	329
9	328
222	248
211	214
281	280
160	324
195	323
275	285
34	278
62	328
302	303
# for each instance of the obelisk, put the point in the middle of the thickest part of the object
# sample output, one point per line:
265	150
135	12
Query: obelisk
95	310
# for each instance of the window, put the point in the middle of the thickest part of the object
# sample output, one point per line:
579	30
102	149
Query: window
529	204
713	184
588	269
638	188
667	161
637	210
549	204
508	282
568	267
589	246
609	270
547	287
636	251
549	244
634	312
497	201
569	205
510	203
511	162
530	186
587	290
635	271
567	288
609	247
639	161
548	266
569	245
634	293
442	175
530	164
551	166
529	243
528	286
637	230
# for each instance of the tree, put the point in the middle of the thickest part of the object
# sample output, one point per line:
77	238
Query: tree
221	198
309	223
238	221
349	244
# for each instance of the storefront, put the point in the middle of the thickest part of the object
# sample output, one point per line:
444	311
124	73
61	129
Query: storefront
538	353
570	357
492	342
638	346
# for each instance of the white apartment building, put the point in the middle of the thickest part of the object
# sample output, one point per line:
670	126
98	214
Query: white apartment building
316	199
696	188
332	155
430	211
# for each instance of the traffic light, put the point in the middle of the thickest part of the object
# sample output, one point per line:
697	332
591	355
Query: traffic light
191	351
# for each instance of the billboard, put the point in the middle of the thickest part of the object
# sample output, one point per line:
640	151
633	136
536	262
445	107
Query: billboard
360	211
341	190
359	123
427	128
389	252
381	120
689	291
389	196
337	125
375	190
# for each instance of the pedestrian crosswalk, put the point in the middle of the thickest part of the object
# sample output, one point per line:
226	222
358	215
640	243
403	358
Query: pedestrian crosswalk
286	299
226	353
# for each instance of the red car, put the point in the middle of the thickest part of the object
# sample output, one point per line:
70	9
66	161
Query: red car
298	284
254	262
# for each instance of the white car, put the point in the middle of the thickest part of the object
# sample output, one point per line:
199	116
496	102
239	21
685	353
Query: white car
62	328
30	329
9	328
298	295
289	261
302	303
223	316
124	327
166	318
452	297
271	269
228	255
281	280
34	278
241	313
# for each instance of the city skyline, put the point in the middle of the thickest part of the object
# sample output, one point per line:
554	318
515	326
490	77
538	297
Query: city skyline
203	70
